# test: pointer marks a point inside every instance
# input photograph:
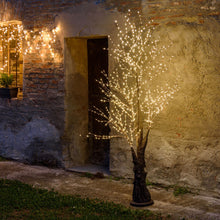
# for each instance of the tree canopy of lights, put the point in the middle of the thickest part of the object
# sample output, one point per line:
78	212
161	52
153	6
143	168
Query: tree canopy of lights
137	88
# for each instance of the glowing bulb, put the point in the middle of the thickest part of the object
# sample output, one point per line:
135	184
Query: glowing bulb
57	29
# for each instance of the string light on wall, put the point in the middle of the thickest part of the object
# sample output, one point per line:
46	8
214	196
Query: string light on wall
11	38
41	42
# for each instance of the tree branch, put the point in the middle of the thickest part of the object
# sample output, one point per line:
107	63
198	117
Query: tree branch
142	147
135	160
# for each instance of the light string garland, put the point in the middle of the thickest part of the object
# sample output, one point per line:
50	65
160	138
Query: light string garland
41	42
134	89
13	38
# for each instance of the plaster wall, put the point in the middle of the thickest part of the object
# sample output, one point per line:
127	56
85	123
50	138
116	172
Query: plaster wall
76	101
184	142
90	21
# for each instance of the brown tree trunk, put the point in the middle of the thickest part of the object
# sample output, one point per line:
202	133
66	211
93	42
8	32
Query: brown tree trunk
141	195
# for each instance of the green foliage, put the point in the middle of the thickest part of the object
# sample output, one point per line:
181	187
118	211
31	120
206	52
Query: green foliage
6	80
148	183
116	178
2	159
21	201
89	175
179	190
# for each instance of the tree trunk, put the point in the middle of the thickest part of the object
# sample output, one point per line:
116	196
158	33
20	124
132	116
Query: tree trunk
141	195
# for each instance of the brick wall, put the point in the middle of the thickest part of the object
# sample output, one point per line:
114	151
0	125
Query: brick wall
41	77
11	10
44	77
178	11
42	12
39	13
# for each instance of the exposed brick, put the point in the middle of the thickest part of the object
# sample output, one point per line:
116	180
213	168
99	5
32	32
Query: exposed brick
52	86
54	82
32	86
214	13
45	81
155	24
171	23
201	21
42	12
43	86
176	3
158	17
176	16
154	5
200	1
187	3
152	12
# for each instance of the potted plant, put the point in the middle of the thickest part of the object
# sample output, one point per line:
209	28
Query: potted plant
6	91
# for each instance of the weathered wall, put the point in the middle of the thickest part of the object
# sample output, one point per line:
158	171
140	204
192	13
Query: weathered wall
29	134
44	83
31	128
89	20
184	141
76	102
11	10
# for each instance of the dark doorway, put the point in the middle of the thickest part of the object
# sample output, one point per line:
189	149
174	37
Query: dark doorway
97	62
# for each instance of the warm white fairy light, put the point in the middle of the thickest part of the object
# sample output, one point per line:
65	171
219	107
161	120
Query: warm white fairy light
42	42
13	35
134	98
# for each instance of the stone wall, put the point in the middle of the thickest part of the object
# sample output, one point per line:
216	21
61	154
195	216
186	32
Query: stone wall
31	133
184	141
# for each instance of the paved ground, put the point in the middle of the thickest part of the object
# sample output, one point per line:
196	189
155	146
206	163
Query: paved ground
188	206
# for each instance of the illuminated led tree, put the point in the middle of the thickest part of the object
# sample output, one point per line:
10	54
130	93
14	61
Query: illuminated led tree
137	90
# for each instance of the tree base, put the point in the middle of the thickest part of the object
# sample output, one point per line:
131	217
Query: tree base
136	204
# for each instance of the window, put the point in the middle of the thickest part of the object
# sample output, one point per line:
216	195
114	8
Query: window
11	59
